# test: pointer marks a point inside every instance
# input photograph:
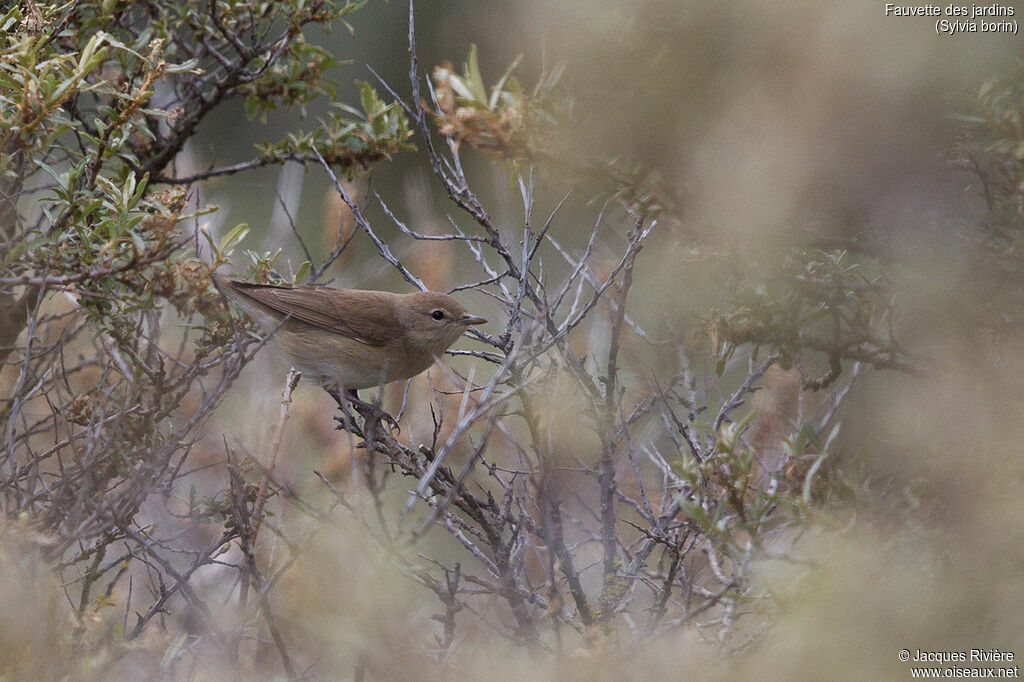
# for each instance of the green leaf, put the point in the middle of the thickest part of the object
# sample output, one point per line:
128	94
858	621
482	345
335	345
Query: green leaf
232	238
474	79
114	42
694	511
23	247
209	240
137	240
127	191
831	437
368	98
501	83
11	18
140	189
462	89
808	434
809	478
188	66
726	356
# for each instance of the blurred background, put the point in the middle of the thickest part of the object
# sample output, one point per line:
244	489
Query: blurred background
773	124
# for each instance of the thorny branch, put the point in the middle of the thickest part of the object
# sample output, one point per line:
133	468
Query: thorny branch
580	451
501	513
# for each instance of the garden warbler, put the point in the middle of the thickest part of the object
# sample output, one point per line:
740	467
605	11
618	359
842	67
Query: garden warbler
348	338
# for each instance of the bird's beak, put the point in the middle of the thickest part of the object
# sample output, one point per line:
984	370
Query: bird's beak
469	320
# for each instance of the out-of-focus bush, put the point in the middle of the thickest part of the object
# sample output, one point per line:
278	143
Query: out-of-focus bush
747	404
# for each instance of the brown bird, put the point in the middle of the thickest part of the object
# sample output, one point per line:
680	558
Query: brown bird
350	338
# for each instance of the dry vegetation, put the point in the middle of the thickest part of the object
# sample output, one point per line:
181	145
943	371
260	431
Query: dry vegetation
598	484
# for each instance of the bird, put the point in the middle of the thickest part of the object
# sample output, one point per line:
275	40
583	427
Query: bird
351	339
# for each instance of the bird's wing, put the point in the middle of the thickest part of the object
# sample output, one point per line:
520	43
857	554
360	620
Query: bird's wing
364	316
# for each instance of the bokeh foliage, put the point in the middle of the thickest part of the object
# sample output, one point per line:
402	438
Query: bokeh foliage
99	251
635	488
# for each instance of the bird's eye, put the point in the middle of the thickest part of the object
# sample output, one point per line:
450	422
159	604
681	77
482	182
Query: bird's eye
437	314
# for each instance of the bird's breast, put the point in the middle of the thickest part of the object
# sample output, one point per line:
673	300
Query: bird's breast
325	356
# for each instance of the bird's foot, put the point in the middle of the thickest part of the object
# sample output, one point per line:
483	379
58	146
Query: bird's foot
371	413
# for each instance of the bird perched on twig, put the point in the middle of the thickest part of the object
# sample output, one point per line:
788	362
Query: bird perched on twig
352	339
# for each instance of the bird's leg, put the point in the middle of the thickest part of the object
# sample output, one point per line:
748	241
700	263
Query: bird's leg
371	412
347	419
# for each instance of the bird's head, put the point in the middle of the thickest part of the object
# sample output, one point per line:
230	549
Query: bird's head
432	321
